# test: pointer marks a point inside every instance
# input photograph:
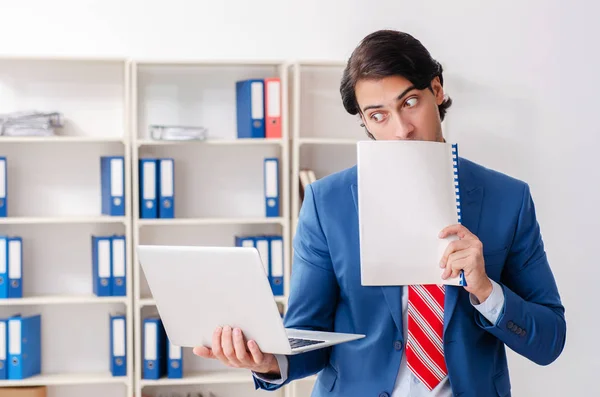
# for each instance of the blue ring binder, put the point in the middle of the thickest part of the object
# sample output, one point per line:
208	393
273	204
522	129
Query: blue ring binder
463	281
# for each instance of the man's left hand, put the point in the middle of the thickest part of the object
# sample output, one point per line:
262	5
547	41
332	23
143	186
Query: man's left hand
466	254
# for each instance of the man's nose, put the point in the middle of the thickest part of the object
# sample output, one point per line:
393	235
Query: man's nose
403	128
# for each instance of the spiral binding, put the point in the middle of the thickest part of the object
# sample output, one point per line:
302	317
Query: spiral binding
463	281
456	185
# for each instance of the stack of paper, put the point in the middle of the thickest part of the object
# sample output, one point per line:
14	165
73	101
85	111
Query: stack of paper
178	132
30	123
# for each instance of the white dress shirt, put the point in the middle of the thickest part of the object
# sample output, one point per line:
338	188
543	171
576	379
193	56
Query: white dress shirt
407	385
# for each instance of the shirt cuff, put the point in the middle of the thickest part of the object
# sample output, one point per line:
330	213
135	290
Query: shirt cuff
282	361
492	306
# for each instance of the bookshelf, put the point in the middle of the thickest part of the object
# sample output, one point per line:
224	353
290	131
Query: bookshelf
324	135
218	187
108	105
324	138
54	205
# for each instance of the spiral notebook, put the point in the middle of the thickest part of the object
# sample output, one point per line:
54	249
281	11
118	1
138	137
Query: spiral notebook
408	191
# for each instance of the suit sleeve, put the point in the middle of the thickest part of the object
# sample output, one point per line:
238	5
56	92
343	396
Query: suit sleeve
313	291
532	321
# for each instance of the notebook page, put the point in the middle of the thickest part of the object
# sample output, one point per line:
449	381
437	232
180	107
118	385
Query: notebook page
406	196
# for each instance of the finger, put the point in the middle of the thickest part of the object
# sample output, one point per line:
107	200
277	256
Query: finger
448	269
453	246
240	348
455	273
457	266
454	267
456	229
458	255
453	258
227	343
217	349
257	354
203	352
447	272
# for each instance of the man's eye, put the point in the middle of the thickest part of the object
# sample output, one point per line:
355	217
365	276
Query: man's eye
410	102
377	117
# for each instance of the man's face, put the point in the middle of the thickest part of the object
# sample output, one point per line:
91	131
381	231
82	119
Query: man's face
392	109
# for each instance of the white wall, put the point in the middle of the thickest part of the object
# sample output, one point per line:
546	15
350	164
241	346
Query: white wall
523	76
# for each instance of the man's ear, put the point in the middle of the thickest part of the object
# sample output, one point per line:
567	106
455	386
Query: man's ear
362	119
364	125
438	90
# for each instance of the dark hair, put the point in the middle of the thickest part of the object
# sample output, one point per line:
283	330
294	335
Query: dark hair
390	53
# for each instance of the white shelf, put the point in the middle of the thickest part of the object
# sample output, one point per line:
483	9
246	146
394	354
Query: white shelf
327	141
22	220
147	302
55	180
62	58
63	300
240	141
325	137
230	377
66	379
333	63
60	139
220	187
281	299
208	62
144	302
209	221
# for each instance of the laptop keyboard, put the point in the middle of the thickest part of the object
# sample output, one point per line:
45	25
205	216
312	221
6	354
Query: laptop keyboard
296	342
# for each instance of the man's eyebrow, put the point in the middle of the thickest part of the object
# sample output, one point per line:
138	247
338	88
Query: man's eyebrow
399	97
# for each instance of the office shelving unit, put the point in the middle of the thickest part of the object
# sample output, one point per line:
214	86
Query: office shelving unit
54	195
218	185
324	140
54	205
324	135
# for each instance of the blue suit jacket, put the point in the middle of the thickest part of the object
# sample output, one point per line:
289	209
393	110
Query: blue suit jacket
326	293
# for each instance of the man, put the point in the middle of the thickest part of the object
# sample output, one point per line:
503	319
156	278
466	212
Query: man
420	340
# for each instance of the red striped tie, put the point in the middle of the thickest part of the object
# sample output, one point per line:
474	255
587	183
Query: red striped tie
424	347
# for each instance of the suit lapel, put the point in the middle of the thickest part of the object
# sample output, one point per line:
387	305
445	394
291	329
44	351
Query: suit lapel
471	200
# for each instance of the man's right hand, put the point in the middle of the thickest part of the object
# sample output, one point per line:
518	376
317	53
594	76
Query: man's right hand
230	347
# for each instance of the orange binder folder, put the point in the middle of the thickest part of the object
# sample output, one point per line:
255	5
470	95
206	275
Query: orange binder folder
273	107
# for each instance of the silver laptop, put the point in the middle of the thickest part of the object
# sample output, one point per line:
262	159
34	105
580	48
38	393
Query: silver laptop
197	289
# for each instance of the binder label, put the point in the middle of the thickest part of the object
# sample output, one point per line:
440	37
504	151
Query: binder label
3	257
119	337
263	249
116	177
257	93
174	352
166	178
149	185
150	331
271	176
274	100
118	258
2	340
3	178
104	259
14	261
277	260
14	336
